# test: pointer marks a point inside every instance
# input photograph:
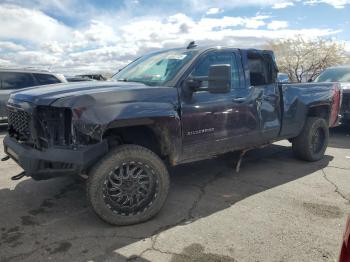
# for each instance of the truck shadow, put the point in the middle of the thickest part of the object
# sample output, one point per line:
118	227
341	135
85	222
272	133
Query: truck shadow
52	218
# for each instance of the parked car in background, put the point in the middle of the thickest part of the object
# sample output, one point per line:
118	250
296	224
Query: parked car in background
14	79
283	78
77	79
339	74
98	77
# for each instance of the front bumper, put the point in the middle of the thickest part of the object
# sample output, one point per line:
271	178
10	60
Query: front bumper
53	162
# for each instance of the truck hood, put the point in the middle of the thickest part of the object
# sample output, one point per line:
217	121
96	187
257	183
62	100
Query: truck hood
48	94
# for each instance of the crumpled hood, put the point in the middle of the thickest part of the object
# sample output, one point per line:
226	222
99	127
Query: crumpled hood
48	94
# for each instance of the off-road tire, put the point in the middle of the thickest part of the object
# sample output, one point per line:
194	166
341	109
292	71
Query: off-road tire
101	172
312	142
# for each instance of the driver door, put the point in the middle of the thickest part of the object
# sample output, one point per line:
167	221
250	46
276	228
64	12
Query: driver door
213	123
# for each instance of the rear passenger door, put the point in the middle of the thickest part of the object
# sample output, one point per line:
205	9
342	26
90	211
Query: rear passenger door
9	82
263	78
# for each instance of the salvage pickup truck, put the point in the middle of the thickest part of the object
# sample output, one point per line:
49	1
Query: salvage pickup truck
166	108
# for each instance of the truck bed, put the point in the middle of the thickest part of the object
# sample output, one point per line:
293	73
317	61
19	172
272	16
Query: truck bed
297	101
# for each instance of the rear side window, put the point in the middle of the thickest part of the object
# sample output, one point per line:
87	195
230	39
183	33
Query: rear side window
262	70
45	79
15	80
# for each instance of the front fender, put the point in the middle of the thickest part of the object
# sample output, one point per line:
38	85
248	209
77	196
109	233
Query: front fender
162	118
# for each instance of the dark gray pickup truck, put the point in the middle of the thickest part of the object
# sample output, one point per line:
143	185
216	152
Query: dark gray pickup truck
165	108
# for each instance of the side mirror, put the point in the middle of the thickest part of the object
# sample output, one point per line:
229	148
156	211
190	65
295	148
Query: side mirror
219	79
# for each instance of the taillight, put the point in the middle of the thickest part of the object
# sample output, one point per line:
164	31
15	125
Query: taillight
335	105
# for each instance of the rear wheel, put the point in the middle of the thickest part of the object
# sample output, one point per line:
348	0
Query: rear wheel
129	185
312	142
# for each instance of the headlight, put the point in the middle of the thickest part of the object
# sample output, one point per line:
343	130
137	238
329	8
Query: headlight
54	125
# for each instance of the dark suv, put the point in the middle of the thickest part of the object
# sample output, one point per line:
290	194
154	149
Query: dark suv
13	79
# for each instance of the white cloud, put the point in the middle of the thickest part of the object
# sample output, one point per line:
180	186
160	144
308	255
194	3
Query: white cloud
10	46
100	33
213	11
281	5
335	3
106	43
255	22
53	47
275	25
4	62
203	5
25	24
61	7
347	47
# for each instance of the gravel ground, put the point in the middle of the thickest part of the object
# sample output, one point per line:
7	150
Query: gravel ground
277	208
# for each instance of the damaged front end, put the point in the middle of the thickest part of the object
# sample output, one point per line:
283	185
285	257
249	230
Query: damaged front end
53	127
49	141
65	127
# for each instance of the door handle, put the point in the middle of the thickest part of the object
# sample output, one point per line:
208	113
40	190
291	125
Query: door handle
239	99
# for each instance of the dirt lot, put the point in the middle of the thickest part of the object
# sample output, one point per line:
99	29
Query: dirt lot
276	209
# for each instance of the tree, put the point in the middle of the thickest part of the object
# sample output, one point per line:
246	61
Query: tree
304	59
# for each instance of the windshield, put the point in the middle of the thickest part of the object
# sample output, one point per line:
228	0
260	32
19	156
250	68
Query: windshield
156	68
334	75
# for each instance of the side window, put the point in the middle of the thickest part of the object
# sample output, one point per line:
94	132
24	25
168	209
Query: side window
45	79
218	58
262	70
14	80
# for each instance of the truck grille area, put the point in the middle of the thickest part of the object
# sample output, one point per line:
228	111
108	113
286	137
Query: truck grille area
19	123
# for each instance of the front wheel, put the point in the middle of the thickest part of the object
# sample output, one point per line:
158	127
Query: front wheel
312	142
129	185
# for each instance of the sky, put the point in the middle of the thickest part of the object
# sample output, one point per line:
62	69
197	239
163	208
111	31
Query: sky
74	36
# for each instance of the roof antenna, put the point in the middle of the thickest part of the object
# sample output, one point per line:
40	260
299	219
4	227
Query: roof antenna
192	44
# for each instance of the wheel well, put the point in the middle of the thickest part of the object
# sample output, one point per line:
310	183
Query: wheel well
145	136
320	111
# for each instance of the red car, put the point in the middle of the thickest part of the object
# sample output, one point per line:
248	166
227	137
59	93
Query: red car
345	249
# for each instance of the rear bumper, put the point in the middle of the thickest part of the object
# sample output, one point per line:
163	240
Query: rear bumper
53	162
